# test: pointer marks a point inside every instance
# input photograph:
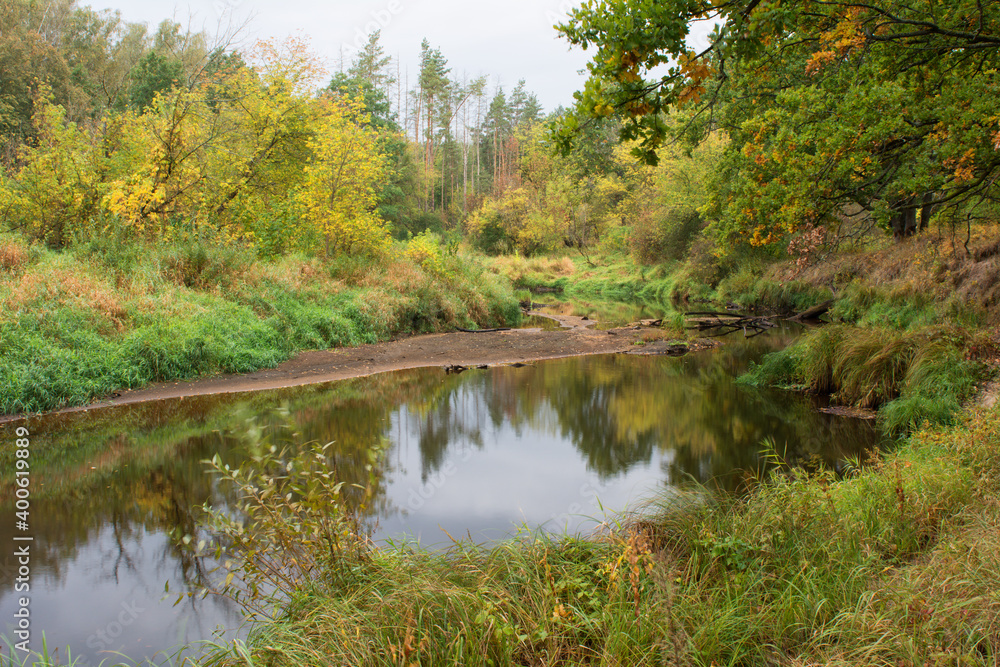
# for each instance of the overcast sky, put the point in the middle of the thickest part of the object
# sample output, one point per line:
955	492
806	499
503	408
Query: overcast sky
507	40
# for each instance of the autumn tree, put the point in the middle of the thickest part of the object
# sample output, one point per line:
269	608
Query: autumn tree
883	108
339	193
369	77
27	59
55	190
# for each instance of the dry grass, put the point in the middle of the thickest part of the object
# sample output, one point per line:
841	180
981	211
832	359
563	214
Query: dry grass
71	286
933	263
13	256
538	269
298	273
397	275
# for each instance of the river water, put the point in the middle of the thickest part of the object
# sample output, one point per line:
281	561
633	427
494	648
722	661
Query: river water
558	445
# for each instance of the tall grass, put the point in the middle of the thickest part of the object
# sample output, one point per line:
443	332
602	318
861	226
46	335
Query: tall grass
911	376
110	315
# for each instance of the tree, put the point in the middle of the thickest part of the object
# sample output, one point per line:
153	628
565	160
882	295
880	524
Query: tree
339	194
153	75
27	61
434	87
372	65
54	191
886	107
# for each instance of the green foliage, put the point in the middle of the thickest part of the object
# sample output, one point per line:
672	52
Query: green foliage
288	530
203	263
909	376
153	75
748	289
793	85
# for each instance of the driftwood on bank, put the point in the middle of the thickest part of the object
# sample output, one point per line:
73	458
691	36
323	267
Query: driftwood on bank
482	330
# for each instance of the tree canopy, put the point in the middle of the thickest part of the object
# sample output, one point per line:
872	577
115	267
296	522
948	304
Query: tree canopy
831	107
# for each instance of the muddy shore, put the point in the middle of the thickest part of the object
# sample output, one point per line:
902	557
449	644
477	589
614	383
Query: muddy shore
576	337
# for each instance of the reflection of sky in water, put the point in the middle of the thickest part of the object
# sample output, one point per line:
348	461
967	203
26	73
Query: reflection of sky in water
553	445
529	476
106	600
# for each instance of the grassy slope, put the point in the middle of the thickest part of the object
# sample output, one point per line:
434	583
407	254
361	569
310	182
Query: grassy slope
79	324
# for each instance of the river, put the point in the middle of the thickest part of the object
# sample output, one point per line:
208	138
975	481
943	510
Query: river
558	445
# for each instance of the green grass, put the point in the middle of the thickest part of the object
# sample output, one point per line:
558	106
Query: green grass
110	315
750	291
867	305
909	376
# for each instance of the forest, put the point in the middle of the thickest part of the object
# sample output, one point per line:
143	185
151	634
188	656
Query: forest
169	164
799	131
176	204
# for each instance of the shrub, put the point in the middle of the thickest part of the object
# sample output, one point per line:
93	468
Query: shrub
668	238
199	263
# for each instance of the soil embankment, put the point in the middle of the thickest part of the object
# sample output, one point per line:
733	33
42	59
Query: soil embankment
443	349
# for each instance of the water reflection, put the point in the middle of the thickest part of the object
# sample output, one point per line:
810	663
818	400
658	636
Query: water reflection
550	445
606	314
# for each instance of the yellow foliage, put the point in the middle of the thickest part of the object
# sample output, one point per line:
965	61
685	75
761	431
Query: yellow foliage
339	192
424	249
55	189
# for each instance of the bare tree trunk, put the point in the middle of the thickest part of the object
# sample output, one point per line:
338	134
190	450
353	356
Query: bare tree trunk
429	154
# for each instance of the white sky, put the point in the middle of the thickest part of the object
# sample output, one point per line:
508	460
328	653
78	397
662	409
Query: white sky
507	40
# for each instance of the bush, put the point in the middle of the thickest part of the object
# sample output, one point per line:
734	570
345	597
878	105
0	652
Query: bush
204	264
668	238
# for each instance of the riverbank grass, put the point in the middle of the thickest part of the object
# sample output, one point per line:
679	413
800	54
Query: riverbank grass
110	315
894	563
909	376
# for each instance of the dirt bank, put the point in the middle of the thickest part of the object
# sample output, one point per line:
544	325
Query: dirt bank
445	349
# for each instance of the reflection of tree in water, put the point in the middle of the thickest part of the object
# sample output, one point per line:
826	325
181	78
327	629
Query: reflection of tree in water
734	424
454	413
618	409
592	399
125	517
574	398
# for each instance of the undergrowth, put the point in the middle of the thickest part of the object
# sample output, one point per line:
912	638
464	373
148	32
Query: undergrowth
110	314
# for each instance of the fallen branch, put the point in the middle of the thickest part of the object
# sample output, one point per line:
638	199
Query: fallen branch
814	312
724	327
482	330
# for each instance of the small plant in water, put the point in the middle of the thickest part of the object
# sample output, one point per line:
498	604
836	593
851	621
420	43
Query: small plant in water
288	527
